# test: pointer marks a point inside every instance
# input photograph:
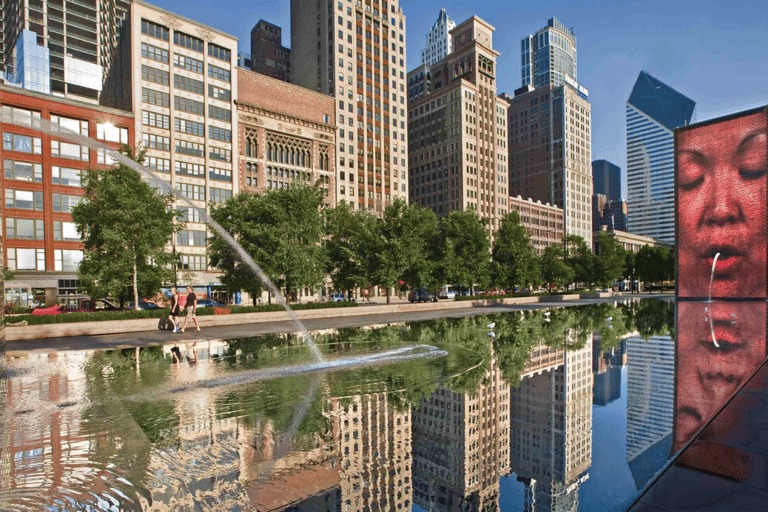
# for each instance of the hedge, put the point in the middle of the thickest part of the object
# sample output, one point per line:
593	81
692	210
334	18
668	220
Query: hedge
66	318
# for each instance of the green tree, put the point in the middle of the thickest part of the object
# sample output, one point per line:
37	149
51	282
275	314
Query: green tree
346	233
630	271
609	263
125	226
8	274
280	230
514	258
464	249
580	258
553	267
654	264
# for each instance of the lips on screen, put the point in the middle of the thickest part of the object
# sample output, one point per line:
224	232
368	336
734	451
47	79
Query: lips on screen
720	175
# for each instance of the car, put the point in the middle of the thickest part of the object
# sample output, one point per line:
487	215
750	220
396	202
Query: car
50	310
208	303
421	296
143	304
447	295
339	297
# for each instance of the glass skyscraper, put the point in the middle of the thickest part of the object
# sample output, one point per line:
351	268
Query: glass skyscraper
549	57
654	110
607	179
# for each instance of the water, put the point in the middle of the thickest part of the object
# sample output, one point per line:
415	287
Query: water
426	415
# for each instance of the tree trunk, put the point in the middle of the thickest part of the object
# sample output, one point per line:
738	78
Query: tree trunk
135	286
388	295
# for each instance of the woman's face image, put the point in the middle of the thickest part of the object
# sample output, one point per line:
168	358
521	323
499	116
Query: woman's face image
722	208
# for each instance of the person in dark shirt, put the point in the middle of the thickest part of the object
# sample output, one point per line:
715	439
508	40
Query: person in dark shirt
191	309
175	308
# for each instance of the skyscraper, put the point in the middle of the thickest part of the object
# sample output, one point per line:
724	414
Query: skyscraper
549	57
268	55
457	129
654	110
438	40
356	53
607	179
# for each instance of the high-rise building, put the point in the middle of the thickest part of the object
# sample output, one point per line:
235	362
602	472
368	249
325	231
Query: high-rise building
81	38
654	110
550	148
356	53
438	40
268	55
549	57
608	213
607	179
543	222
457	129
185	93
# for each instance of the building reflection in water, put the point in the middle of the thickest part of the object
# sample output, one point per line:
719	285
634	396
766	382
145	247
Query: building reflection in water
606	366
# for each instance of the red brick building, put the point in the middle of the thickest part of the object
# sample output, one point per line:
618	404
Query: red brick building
41	183
268	55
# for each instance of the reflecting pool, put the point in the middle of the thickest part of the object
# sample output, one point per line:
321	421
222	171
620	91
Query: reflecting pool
563	409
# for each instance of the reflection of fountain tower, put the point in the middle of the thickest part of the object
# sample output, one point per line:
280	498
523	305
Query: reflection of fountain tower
551	428
461	446
650	403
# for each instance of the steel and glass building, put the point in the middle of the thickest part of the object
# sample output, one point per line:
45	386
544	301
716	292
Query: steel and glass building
549	57
654	110
606	177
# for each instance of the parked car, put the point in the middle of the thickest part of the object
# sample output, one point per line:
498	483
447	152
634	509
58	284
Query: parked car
339	297
50	310
208	303
143	304
446	295
421	296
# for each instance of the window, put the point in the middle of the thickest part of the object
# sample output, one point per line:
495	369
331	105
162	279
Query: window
219	113
152	97
218	52
189	169
66	231
191	214
156	120
154	30
196	192
111	133
220	174
187	41
192	262
15	115
22	143
190	148
216	133
154	53
62	203
190	127
219	195
156	142
188	63
218	93
67	261
225	155
26	259
191	237
157	76
23	171
187	105
66	176
24	229
188	84
218	73
68	150
157	164
104	156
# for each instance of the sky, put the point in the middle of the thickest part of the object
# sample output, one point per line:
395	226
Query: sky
714	52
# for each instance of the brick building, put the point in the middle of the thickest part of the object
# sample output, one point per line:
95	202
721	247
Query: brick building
268	55
544	222
41	184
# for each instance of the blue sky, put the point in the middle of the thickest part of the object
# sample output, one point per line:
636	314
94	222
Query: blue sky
715	52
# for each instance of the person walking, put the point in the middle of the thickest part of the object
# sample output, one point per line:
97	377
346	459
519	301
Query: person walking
191	309
173	316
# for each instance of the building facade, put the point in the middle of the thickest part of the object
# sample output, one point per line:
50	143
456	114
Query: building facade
550	152
286	134
549	57
629	241
439	43
42	182
606	212
268	55
654	110
183	101
356	53
607	179
543	222
457	129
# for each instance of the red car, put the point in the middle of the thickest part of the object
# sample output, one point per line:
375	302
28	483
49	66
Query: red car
51	310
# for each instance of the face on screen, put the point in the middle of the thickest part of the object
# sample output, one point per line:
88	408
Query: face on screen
709	373
722	208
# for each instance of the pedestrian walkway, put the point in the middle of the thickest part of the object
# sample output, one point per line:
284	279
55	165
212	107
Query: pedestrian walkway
726	467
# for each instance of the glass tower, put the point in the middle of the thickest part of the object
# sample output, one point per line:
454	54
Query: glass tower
654	110
549	57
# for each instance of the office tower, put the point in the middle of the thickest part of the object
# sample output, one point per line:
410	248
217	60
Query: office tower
549	57
82	40
183	104
42	182
288	136
268	55
607	179
610	213
543	222
456	128
356	53
654	110
438	40
550	147
461	446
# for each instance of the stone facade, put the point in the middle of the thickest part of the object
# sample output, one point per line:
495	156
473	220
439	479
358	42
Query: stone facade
544	222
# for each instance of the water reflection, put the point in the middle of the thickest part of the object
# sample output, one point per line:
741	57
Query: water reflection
440	433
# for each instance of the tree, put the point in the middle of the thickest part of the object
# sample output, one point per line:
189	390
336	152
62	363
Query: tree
514	258
8	274
280	230
580	258
125	226
654	264
553	267
609	263
630	271
464	248
346	232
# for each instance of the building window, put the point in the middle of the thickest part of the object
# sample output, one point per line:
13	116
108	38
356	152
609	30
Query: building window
190	169
224	155
219	52
158	142
190	148
26	259
218	73
222	114
66	231
251	138
23	171
68	150
191	237
162	99
22	143
24	199
154	30
188	63
216	133
187	105
156	120
157	76
220	174
62	203
192	262
218	93
219	195
188	84
157	164
66	176
191	214
24	229
154	53
189	127
67	261
195	192
111	133
187	41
